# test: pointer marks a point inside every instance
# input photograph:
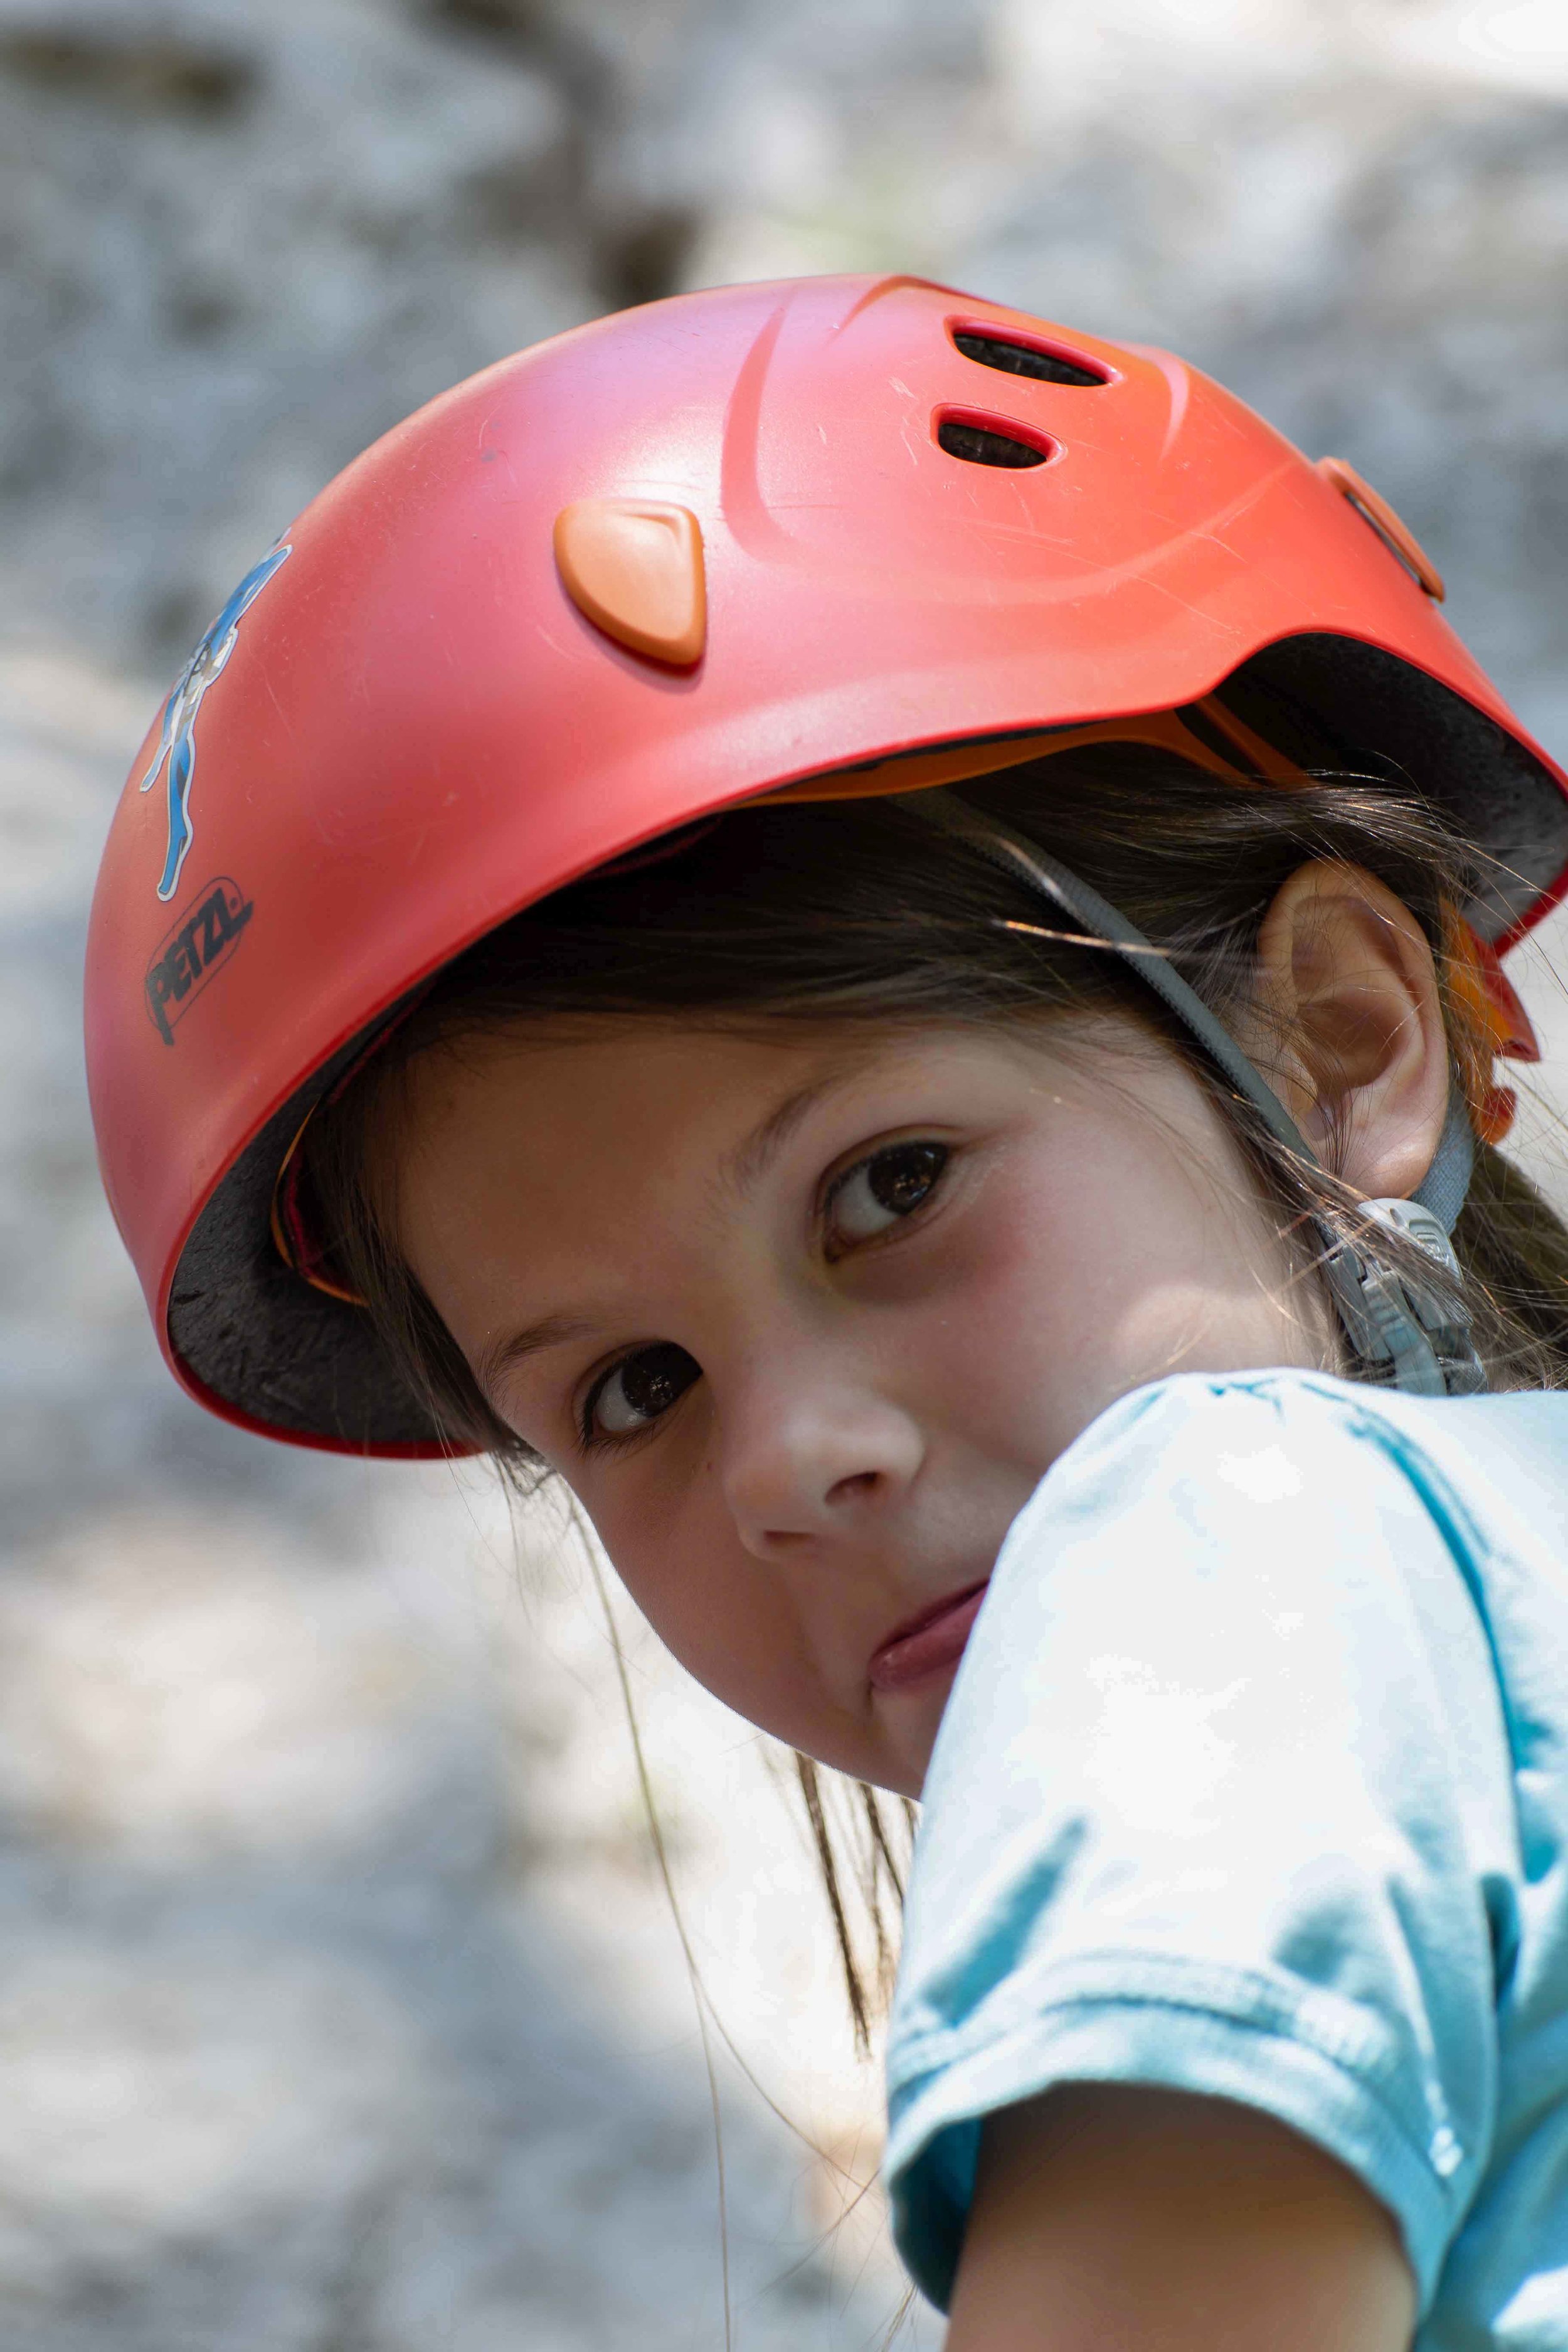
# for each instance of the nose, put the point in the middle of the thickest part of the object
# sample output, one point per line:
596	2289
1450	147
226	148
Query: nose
807	1459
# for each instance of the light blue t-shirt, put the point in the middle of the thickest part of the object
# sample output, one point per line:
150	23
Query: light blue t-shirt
1254	1782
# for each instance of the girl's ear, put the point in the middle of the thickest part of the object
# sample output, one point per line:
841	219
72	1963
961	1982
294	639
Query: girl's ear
1349	993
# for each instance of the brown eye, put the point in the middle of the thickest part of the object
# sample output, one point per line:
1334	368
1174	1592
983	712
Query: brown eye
637	1389
891	1184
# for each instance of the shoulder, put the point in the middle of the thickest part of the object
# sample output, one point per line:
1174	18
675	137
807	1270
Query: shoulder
1203	1418
1286	1528
1292	1448
1224	1792
1198	1413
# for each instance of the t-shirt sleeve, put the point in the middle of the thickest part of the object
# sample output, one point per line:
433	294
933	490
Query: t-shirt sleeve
1222	1802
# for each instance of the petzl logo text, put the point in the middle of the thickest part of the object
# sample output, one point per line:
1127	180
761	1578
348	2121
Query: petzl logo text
192	952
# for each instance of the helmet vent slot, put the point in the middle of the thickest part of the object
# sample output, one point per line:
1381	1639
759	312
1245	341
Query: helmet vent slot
992	441
1012	358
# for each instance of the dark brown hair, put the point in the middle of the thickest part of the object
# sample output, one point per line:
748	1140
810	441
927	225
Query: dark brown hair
860	911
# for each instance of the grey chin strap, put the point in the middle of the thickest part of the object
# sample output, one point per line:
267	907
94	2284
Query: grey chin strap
1411	1337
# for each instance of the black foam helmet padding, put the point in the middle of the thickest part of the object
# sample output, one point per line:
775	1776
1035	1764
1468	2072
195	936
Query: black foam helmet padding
258	1338
1350	703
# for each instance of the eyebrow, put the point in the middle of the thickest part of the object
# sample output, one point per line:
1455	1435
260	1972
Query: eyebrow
746	1162
504	1356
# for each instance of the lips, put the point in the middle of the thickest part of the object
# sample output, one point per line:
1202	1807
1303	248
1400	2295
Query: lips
926	1644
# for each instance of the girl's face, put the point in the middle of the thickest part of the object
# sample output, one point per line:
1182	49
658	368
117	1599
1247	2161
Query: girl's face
804	1320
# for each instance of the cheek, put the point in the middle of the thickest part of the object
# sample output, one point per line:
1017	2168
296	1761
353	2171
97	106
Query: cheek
996	1358
1071	1285
716	1609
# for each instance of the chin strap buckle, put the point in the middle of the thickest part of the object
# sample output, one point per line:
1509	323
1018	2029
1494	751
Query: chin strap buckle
1419	1339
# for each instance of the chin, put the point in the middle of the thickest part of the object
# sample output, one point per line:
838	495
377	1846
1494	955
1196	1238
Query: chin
911	1721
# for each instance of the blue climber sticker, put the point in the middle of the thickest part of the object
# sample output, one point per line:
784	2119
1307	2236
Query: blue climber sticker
177	742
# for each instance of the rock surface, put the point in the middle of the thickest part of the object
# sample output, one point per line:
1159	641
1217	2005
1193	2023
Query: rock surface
339	2009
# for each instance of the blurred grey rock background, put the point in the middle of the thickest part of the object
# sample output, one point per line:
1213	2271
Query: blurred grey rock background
338	2007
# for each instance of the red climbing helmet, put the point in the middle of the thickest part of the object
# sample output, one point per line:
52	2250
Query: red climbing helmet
672	561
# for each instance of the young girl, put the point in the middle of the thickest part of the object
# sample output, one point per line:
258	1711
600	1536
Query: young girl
871	932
